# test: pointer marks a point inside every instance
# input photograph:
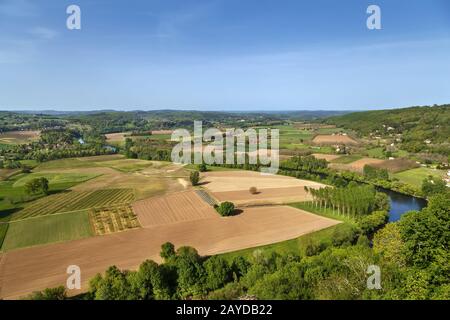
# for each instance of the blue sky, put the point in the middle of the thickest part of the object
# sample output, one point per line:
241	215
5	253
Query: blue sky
223	55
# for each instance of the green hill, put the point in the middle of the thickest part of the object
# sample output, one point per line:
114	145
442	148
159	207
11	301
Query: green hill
413	125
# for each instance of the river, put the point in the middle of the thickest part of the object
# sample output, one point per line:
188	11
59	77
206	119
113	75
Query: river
401	204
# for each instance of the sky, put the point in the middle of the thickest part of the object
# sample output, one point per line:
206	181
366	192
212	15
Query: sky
223	55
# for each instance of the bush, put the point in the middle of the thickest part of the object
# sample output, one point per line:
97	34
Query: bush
202	167
167	251
344	234
225	209
194	177
373	222
253	190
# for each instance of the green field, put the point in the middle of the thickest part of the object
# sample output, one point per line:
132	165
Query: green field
56	178
347	159
42	230
74	201
376	153
416	176
127	165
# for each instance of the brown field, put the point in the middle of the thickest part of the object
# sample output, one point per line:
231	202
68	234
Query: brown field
25	270
183	206
236	180
327	139
19	137
116	137
356	166
234	186
162	132
7	173
264	196
328	157
396	165
300	125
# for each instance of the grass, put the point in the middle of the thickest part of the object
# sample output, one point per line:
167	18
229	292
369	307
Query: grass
376	153
127	165
56	178
324	212
3	231
416	176
347	159
47	229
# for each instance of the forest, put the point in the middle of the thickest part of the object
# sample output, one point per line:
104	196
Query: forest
414	126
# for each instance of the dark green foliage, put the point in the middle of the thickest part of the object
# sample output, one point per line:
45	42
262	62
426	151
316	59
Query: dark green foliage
58	293
36	186
373	173
225	209
194	177
167	251
352	200
433	186
190	272
217	272
427	233
202	167
344	234
373	222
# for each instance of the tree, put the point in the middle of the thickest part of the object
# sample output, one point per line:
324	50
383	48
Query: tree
115	285
225	209
37	185
433	185
194	177
167	251
190	272
217	272
58	293
427	233
388	243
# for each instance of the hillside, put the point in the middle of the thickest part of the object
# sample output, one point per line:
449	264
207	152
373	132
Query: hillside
418	129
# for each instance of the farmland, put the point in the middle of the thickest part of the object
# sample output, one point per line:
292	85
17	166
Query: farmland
234	186
56	178
112	219
74	201
416	176
253	227
332	139
48	229
18	137
178	207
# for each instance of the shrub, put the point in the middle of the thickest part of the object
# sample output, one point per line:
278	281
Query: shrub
202	167
167	251
194	177
225	209
344	234
253	190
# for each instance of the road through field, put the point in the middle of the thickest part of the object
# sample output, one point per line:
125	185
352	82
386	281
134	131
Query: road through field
26	270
